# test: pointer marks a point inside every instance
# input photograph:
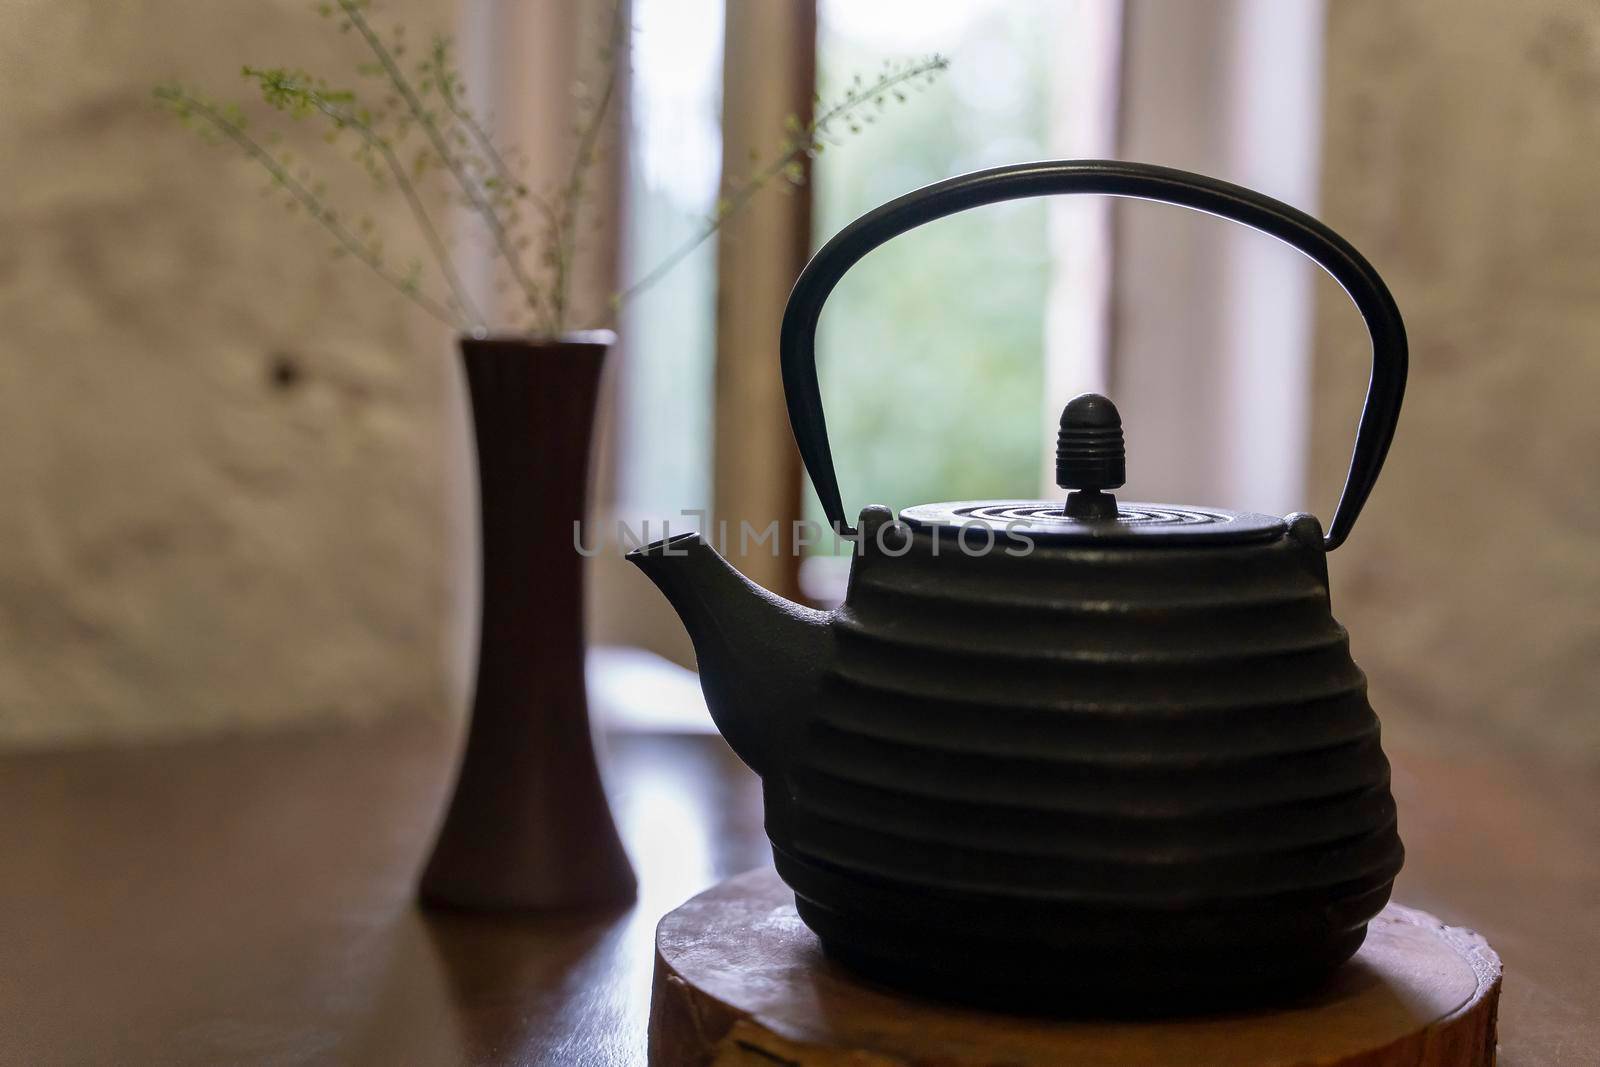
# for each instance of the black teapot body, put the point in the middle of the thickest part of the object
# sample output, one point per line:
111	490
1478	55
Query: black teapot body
1089	762
1046	749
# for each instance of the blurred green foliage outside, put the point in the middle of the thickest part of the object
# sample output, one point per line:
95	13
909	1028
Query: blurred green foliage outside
931	350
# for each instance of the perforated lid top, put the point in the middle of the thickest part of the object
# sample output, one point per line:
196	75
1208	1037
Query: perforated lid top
1047	520
1090	459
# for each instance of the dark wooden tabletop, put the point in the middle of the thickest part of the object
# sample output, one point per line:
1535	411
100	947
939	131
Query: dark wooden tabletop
249	900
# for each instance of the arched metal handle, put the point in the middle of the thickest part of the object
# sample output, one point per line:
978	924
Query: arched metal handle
1112	178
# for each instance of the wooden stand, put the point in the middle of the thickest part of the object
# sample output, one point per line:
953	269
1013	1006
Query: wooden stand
739	980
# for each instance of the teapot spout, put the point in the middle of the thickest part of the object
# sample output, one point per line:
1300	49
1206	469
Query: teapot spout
760	656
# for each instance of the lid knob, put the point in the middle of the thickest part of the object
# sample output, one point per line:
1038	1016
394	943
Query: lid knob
1090	456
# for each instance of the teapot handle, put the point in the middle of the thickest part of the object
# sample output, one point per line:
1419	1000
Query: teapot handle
1140	181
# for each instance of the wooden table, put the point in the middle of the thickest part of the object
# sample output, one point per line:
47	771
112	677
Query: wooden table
248	900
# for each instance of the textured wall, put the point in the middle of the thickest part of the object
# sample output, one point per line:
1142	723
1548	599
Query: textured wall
187	539
1462	154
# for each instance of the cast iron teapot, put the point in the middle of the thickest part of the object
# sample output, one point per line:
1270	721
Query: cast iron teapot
1064	752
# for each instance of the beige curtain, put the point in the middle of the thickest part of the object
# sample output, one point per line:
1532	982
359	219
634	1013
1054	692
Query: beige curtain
1212	323
526	59
770	69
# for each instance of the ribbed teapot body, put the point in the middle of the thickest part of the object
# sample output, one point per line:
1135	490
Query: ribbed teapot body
1127	770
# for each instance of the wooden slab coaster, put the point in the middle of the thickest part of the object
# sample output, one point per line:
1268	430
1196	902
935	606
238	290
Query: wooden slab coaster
739	980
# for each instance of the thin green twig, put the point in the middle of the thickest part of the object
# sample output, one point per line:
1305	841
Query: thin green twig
504	176
444	79
424	119
481	171
280	84
805	144
187	103
582	161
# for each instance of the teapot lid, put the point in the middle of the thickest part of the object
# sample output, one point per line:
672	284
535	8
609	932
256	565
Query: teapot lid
1090	459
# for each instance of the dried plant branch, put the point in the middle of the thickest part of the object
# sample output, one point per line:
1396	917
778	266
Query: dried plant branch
805	141
566	220
425	120
503	187
295	93
442	77
459	143
187	105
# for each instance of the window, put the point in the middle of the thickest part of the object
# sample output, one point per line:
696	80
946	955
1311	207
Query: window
673	169
946	355
931	350
936	353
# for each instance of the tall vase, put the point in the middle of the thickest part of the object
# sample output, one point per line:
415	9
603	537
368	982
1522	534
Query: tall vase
528	826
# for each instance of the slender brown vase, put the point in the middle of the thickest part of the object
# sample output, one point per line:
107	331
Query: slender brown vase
528	826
